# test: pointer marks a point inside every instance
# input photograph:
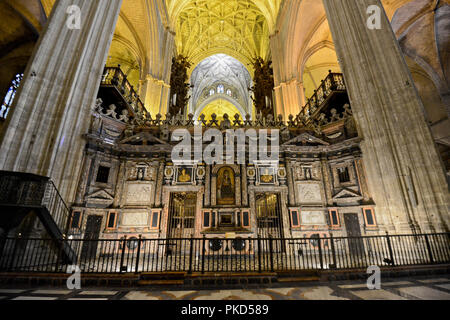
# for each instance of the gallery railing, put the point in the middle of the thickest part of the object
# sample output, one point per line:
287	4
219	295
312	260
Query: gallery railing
333	82
114	76
202	255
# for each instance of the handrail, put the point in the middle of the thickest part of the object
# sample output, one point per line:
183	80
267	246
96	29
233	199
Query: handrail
57	208
24	189
114	76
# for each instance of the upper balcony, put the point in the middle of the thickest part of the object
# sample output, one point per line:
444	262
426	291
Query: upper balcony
116	89
332	93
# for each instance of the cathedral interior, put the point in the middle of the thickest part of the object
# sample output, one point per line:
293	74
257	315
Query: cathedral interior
361	117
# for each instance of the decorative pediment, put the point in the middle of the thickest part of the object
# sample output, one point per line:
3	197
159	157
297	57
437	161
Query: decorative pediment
306	139
100	195
347	194
143	138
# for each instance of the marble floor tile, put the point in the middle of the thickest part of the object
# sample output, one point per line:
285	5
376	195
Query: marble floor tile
55	292
179	294
376	295
91	299
445	286
395	283
434	280
320	293
353	286
233	295
425	293
11	291
34	298
140	295
98	293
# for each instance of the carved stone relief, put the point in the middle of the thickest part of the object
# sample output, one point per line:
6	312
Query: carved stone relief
139	194
309	193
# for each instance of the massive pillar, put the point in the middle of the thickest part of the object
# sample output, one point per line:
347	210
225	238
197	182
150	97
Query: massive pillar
406	178
289	96
155	88
51	112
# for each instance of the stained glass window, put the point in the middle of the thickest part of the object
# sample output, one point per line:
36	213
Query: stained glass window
220	88
10	94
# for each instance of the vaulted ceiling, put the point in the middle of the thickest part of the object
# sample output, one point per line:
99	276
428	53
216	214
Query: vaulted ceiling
202	28
234	27
221	69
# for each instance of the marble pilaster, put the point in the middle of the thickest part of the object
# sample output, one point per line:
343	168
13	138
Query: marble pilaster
327	181
291	187
159	184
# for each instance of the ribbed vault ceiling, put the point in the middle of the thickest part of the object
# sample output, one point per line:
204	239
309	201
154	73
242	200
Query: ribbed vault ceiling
217	69
234	27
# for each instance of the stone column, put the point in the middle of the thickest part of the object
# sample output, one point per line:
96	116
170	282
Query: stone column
301	89
52	108
159	183
288	94
327	180
405	176
155	88
82	184
244	185
120	184
360	172
208	186
291	185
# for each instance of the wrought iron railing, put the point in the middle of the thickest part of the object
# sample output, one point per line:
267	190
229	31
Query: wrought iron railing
333	82
23	189
202	255
114	76
57	208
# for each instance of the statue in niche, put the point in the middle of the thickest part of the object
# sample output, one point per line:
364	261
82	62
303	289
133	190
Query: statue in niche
141	173
225	186
307	173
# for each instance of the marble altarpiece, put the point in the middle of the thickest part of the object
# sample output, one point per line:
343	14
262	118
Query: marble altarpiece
318	182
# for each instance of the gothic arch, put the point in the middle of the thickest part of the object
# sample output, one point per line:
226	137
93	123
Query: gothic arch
310	52
211	99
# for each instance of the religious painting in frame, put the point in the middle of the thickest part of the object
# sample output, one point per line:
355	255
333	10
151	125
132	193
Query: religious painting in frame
267	175
185	175
226	192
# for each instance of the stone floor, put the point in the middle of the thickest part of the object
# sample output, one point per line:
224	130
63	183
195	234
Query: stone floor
411	288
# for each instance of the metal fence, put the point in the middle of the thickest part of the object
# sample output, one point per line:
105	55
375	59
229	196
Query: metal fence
205	255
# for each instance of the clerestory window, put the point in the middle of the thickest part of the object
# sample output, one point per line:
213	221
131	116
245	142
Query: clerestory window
10	94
